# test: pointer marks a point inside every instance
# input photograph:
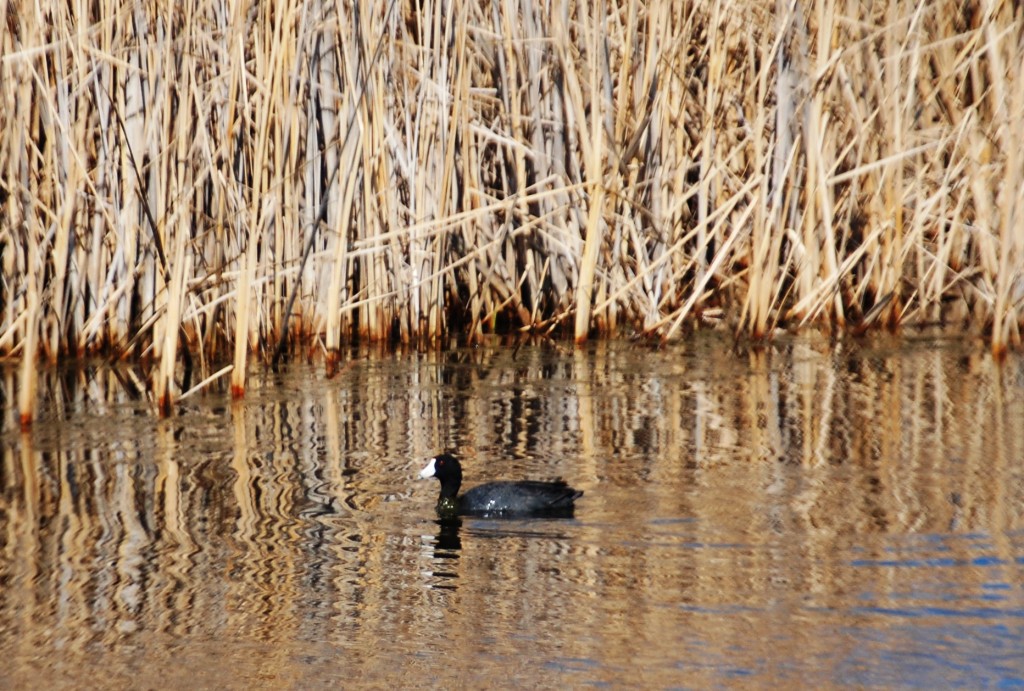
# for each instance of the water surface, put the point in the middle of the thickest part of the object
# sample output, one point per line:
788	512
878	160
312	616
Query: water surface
807	514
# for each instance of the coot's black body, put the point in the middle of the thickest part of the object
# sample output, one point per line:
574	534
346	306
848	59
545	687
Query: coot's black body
521	498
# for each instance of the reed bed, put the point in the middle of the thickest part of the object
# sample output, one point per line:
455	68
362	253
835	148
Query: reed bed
205	178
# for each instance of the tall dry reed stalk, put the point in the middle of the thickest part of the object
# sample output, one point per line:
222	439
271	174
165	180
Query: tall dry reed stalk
204	176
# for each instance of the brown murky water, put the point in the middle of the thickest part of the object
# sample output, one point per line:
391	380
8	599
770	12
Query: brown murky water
809	514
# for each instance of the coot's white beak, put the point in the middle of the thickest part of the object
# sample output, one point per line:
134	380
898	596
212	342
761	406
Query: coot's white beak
428	471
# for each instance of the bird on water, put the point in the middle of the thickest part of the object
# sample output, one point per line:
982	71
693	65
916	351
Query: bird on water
519	498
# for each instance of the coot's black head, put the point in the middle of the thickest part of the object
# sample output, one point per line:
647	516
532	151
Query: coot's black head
447	470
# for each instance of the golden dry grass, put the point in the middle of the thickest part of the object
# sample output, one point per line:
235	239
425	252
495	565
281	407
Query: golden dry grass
196	177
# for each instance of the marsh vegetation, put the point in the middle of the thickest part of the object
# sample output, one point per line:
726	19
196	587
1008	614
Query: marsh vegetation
208	180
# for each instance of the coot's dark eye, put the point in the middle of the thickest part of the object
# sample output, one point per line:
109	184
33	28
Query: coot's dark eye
439	463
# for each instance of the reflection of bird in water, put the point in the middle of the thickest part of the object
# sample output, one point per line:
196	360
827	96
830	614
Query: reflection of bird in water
447	549
448	540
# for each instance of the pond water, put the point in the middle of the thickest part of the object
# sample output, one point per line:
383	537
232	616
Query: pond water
811	513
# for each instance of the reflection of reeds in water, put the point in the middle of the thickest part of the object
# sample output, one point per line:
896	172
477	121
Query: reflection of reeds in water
300	525
173	181
280	533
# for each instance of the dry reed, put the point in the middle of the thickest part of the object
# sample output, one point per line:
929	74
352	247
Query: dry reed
188	178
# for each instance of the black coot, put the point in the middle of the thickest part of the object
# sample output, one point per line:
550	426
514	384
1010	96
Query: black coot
520	498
